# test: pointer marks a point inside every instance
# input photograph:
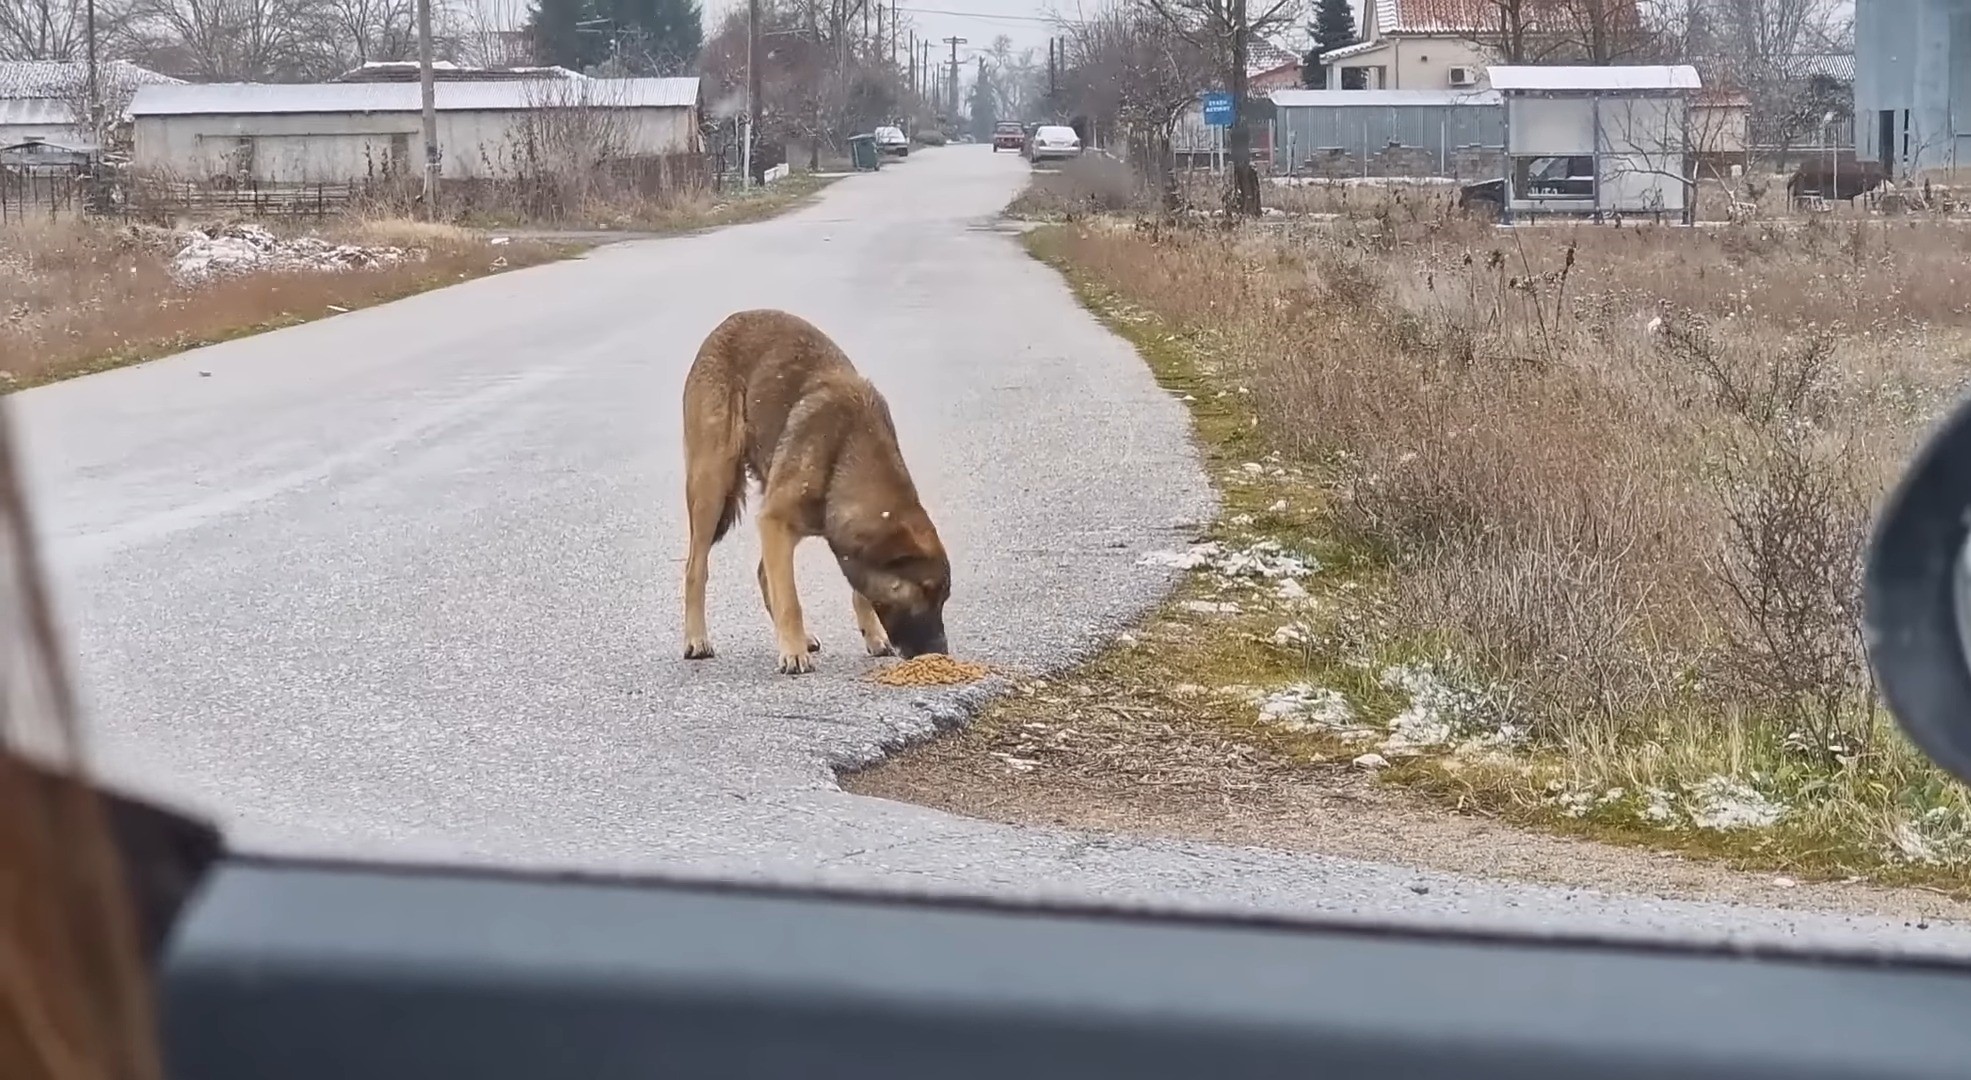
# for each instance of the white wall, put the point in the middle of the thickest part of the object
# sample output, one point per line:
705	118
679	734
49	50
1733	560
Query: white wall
1640	140
1642	153
1550	126
341	147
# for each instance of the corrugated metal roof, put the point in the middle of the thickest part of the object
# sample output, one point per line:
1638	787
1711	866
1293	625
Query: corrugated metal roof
63	78
254	99
1512	77
1341	99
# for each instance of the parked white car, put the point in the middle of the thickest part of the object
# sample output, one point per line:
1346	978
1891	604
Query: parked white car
892	140
1053	141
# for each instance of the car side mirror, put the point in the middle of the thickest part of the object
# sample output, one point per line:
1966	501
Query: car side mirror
1917	597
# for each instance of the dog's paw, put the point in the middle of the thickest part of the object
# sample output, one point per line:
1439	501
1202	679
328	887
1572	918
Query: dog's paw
697	650
814	643
880	647
795	664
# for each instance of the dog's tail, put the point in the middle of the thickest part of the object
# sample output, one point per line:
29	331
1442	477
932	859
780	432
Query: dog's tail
734	505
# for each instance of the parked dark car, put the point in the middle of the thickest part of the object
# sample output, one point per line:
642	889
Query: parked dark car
1008	135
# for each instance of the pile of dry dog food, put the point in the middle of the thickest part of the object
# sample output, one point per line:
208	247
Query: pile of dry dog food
931	669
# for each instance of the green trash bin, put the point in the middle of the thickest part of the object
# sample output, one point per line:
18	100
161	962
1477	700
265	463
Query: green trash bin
862	152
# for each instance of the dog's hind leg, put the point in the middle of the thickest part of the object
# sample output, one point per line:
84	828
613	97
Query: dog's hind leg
814	643
777	542
874	637
714	492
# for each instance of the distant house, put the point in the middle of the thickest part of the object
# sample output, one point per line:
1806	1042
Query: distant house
45	100
1597	140
1720	129
1415	45
350	131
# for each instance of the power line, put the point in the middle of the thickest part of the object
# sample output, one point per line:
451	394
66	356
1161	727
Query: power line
988	15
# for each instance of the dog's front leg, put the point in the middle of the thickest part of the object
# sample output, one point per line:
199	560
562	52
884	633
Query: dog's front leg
777	542
874	637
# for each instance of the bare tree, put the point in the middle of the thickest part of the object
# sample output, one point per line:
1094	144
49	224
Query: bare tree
1131	66
1224	30
41	29
366	30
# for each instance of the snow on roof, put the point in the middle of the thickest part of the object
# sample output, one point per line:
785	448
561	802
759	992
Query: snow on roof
1525	77
1335	99
373	97
1356	49
65	78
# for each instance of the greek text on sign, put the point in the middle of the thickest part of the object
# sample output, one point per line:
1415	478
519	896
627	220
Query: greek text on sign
1218	109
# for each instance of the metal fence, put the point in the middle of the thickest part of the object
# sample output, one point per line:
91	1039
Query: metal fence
1303	132
27	194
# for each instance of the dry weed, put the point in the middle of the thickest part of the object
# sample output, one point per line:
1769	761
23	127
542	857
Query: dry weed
83	295
1623	473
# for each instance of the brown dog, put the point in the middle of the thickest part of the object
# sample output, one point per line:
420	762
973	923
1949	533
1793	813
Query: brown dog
772	396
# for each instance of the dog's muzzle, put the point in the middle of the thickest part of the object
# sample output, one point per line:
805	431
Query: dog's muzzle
915	636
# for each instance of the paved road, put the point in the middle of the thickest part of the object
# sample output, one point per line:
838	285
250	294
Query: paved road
404	583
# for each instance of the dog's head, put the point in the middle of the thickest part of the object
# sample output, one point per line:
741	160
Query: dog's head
901	566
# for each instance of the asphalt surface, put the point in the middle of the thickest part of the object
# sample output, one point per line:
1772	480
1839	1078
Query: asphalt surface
404	583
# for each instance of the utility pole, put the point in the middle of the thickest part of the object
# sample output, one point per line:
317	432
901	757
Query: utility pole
894	36
95	103
954	42
752	89
428	105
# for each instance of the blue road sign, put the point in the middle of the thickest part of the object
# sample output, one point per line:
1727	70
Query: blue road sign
1218	109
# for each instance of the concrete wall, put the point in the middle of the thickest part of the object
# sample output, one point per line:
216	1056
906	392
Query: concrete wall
1312	139
287	148
1415	63
1913	61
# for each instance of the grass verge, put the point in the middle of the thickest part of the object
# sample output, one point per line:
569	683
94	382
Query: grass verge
1451	556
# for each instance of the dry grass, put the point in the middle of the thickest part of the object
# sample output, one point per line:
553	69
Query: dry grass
1609	485
82	296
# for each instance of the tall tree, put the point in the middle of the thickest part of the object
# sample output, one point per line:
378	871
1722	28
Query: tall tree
985	104
636	37
1225	30
1334	28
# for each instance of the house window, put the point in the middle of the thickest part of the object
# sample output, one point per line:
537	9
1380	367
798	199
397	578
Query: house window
1551	178
1354	78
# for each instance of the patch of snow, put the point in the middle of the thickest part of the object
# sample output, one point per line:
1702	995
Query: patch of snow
1720	802
1210	607
220	251
1291	590
1264	560
1658	808
1440	710
1279	506
1304	706
1292	634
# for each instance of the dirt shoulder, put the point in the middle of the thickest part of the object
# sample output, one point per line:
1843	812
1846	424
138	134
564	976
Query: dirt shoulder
78	296
1217	718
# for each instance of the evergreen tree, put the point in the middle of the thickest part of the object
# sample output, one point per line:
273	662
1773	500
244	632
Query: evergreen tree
637	37
1334	27
985	113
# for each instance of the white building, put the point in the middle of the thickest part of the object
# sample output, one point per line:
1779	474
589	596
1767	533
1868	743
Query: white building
45	100
1597	140
344	132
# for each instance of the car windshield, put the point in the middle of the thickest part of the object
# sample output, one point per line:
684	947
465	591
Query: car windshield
1371	495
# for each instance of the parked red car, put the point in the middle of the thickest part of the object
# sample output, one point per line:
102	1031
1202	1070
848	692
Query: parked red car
1008	135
